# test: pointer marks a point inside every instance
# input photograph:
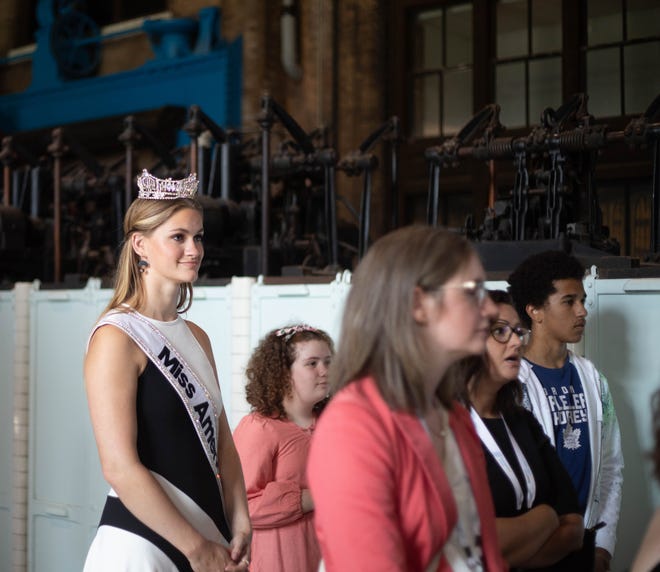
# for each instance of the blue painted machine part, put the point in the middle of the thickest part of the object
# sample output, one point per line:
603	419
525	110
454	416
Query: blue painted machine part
208	74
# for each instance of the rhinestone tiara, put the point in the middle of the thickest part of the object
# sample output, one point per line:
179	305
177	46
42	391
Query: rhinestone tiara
154	188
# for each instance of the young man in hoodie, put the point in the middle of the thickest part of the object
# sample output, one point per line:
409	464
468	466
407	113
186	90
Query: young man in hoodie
566	393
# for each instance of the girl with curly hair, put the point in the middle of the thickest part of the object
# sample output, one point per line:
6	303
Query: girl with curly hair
287	387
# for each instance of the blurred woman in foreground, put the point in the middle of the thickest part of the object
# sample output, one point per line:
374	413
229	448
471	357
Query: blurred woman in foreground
396	470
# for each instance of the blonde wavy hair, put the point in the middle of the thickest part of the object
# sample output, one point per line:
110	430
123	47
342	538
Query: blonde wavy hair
145	216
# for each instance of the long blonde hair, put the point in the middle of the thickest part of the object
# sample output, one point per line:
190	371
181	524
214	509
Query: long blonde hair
379	336
145	216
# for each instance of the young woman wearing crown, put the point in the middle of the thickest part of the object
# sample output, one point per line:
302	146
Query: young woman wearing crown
178	500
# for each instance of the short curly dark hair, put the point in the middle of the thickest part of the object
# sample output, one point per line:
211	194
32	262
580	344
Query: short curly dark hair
269	369
532	282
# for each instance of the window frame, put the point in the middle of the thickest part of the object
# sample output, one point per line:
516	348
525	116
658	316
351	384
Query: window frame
526	59
620	46
414	74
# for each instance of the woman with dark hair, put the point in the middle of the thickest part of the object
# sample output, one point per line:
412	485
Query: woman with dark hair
395	468
177	502
538	520
287	387
648	555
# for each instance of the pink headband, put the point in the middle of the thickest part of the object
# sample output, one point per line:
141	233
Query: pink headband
288	333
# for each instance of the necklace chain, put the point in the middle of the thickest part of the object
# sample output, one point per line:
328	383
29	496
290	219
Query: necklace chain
441	416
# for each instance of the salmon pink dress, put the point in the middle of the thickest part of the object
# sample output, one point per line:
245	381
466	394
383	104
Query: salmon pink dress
274	457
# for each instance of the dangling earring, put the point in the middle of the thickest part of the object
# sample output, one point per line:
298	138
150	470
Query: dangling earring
143	265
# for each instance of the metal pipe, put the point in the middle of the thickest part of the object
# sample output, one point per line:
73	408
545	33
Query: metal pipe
491	184
394	190
328	217
34	191
334	251
213	169
266	123
128	137
434	196
128	182
7	185
56	149
205	141
57	219
365	210
225	179
15	184
5	157
193	155
331	216
193	127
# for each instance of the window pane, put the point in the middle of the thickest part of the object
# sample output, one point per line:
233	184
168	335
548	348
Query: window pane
546	26
643	18
457	104
642	80
603	82
459	35
510	94
427	40
511	28
544	87
426	106
604	23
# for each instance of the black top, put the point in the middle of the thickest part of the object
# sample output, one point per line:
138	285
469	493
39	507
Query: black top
168	445
553	484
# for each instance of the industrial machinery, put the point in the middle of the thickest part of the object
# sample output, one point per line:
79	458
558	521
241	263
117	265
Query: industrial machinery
275	213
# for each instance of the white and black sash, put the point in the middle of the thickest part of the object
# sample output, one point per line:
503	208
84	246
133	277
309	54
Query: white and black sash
494	449
191	390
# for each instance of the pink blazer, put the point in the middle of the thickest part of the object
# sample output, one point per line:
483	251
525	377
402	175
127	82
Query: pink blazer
382	498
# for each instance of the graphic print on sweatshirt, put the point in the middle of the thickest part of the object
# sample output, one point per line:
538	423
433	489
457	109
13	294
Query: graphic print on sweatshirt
570	417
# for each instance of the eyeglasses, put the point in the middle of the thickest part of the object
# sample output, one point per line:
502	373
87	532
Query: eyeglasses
502	333
473	288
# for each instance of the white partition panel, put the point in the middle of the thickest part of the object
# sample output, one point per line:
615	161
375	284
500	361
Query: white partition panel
66	489
319	305
621	338
6	421
276	305
497	285
211	310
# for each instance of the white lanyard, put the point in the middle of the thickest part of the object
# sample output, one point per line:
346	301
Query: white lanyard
494	449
